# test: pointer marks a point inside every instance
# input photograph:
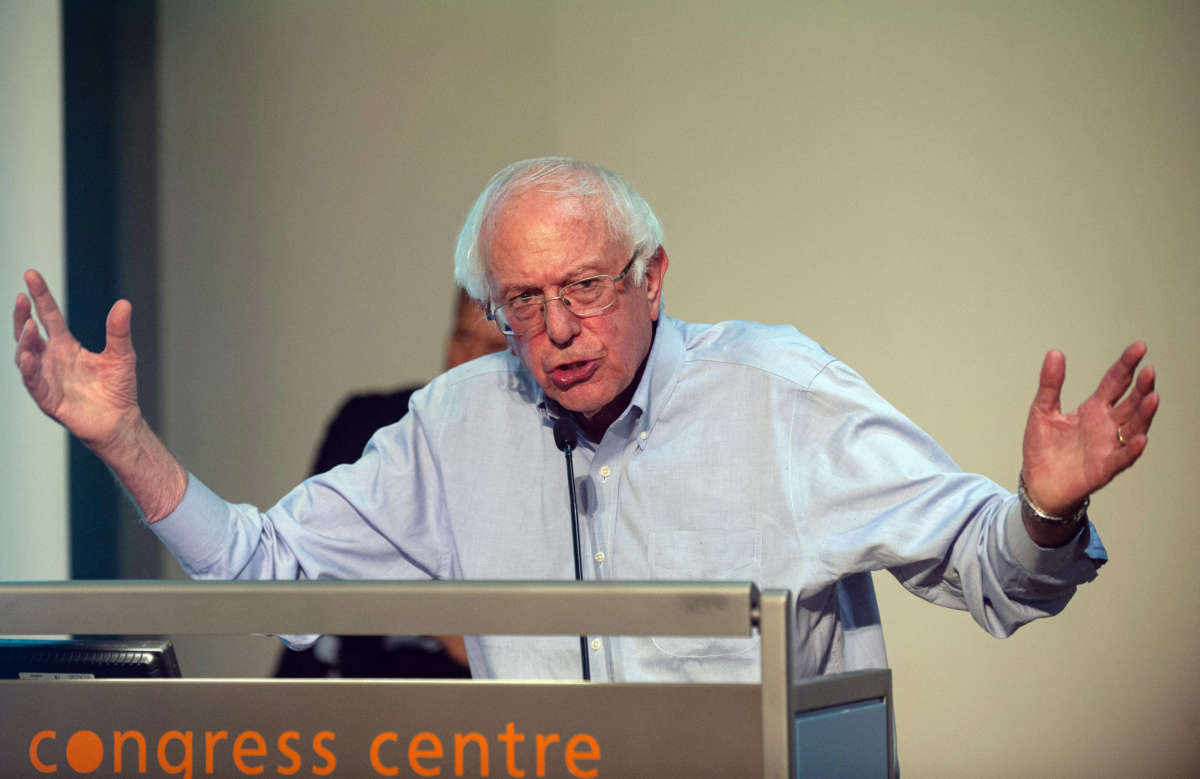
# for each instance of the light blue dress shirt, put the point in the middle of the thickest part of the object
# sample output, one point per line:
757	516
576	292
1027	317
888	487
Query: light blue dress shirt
747	453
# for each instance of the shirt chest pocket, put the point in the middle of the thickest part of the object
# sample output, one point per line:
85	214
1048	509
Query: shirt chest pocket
719	554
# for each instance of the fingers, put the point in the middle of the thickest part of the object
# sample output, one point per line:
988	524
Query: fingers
47	307
1117	378
1142	387
29	350
1050	382
1144	384
116	329
1146	411
21	313
1122	457
1140	416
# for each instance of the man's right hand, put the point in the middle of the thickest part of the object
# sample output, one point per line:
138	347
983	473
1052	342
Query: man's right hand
92	395
95	396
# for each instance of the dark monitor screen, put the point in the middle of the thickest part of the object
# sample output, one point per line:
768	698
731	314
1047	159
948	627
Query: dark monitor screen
88	658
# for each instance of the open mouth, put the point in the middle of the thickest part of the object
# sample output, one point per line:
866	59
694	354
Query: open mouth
569	374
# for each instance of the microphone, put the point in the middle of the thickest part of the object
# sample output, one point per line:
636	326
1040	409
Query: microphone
565	438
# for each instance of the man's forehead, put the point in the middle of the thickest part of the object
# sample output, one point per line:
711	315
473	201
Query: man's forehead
536	269
539	237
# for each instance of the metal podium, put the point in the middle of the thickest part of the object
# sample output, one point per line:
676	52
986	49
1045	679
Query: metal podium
385	727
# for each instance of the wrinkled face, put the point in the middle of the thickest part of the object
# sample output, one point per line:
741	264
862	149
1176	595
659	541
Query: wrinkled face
473	335
585	364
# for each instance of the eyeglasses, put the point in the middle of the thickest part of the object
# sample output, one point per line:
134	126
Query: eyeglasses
526	314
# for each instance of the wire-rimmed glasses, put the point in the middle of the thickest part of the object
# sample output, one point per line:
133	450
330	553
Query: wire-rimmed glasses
526	314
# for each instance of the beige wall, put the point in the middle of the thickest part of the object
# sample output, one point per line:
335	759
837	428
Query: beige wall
938	194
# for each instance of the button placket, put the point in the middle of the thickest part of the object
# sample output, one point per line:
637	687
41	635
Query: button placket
605	479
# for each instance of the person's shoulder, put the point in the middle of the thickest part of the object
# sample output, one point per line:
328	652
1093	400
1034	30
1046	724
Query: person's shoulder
781	350
485	378
356	420
496	369
487	398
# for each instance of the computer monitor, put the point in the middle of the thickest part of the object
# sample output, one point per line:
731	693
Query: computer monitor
88	658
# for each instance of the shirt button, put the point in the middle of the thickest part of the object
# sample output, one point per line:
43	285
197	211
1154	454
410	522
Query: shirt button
642	435
599	557
595	645
605	471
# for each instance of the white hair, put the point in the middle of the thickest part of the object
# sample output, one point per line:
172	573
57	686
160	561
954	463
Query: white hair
628	215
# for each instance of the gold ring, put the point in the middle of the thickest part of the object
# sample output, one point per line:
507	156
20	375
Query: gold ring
1120	437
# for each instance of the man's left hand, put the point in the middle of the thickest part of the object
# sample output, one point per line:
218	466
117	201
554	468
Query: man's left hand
1067	457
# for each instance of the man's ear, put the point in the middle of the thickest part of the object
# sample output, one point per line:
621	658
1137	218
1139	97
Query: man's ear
656	269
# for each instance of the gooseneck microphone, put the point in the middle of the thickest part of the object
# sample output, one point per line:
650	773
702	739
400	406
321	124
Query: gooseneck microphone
565	438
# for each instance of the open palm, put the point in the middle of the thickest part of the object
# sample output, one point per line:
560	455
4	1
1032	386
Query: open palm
90	394
1069	456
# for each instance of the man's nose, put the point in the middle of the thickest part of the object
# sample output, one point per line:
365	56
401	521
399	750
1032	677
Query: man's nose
561	324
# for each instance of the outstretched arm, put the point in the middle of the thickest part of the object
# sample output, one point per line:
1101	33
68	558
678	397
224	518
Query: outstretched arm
1069	456
94	396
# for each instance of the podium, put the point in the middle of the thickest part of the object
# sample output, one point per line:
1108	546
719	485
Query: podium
386	727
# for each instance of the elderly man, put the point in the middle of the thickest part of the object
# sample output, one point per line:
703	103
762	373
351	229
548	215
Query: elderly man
729	451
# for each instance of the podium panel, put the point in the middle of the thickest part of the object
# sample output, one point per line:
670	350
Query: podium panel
171	728
386	727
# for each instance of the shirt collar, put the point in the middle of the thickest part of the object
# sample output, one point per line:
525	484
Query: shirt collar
656	385
661	374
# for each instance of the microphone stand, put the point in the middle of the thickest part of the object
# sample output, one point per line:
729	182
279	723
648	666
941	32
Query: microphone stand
565	437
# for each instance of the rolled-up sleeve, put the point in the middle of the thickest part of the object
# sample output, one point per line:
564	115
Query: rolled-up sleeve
895	500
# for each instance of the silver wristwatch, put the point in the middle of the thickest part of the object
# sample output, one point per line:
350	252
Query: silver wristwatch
1075	517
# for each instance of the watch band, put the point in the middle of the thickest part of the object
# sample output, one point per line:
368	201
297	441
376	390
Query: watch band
1027	505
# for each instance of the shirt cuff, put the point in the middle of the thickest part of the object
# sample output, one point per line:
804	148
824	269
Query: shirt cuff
1043	560
198	529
